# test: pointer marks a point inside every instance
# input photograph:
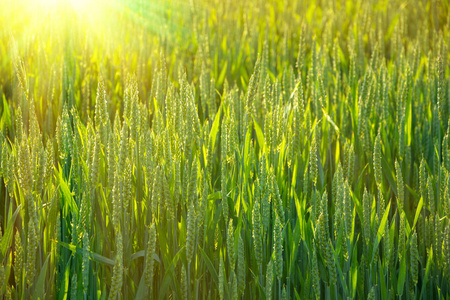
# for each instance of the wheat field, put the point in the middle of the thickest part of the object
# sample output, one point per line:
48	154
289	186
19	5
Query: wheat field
219	149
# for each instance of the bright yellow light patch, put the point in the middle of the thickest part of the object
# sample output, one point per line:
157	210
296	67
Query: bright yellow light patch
79	4
48	2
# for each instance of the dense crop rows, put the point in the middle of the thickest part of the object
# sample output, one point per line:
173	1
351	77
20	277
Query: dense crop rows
282	150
